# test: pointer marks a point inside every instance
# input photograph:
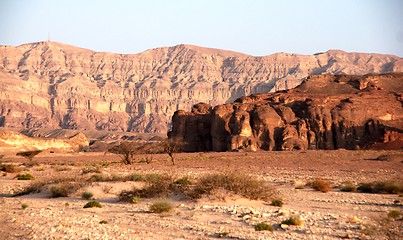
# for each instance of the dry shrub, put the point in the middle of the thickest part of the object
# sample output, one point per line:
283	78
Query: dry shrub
263	226
72	183
163	185
320	185
10	168
157	185
237	183
296	221
161	206
390	186
348	186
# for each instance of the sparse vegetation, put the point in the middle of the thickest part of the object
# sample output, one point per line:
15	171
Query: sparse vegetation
161	206
183	181
103	222
136	177
171	147
348	186
320	185
157	185
162	185
87	195
296	221
237	183
90	169
60	190
136	200
26	176
263	226
394	214
277	202
391	187
24	205
93	204
29	154
10	168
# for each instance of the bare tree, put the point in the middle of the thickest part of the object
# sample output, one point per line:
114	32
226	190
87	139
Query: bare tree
29	154
171	147
126	151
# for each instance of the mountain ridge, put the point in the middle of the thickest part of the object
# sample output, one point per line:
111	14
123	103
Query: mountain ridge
48	84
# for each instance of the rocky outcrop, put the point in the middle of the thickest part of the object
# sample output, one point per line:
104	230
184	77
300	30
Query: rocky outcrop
53	85
324	112
11	141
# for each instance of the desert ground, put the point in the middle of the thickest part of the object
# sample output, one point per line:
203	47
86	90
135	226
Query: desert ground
322	215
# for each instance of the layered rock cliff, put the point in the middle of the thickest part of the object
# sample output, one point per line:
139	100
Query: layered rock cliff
53	85
324	112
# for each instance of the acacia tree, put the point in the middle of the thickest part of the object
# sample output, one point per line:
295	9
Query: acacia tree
171	147
126	151
29	154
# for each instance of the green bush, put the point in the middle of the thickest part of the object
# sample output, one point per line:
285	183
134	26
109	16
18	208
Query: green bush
262	226
93	204
394	214
183	181
277	202
26	176
161	206
24	205
87	195
136	177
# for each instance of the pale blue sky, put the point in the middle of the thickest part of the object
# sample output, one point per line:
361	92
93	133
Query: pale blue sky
256	27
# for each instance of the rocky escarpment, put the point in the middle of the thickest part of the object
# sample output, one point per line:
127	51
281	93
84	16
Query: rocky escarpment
324	112
53	85
11	141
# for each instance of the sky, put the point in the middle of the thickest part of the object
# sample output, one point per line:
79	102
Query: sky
256	27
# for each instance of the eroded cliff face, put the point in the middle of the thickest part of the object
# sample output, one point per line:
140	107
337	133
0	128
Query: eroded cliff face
54	85
324	112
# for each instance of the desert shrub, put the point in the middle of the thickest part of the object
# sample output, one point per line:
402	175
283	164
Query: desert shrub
320	185
97	178
237	183
262	226
24	206
26	176
157	185
10	168
103	222
293	221
183	181
87	195
391	187
394	214
136	200
348	187
136	177
90	169
36	186
60	190
277	202
93	204
161	206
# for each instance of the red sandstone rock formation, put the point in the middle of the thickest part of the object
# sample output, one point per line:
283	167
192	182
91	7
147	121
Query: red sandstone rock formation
324	112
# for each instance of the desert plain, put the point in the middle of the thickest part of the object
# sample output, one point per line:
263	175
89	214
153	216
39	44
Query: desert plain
332	214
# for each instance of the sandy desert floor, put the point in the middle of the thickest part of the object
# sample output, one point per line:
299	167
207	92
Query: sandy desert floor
330	215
